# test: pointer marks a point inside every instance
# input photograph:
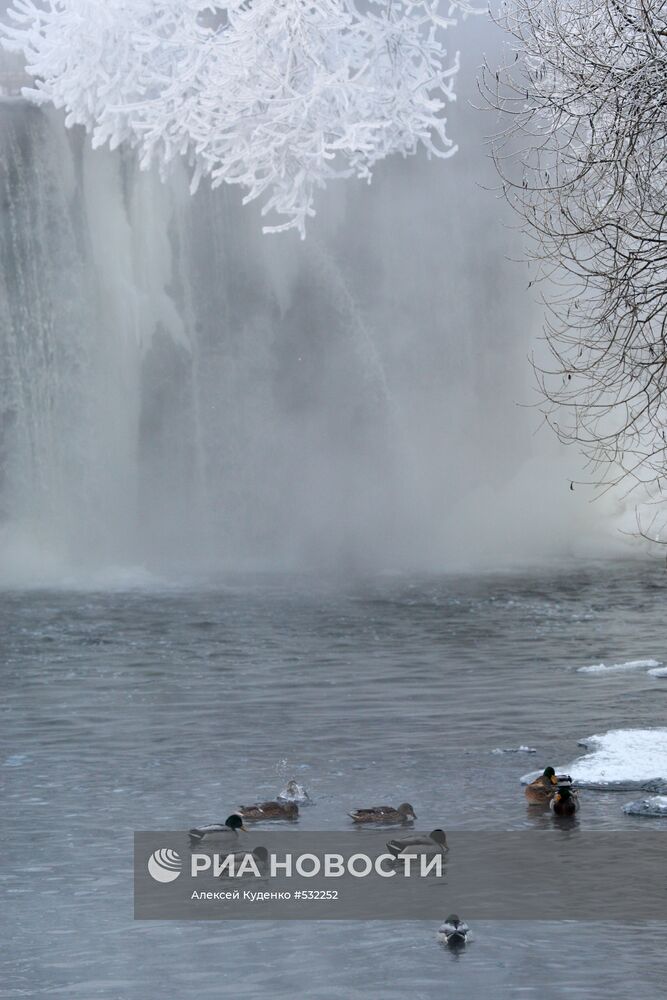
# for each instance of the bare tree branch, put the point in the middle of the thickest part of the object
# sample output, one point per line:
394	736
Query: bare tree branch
585	90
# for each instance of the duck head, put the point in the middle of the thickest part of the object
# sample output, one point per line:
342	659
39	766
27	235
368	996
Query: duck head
439	837
235	822
406	810
550	775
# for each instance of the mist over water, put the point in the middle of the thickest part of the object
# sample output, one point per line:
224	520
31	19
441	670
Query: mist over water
183	395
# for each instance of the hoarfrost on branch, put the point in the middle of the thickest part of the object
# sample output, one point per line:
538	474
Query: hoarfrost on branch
278	96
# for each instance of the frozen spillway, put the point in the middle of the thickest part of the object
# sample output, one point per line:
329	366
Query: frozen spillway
620	759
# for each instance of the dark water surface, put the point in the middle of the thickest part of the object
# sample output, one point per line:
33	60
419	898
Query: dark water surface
124	711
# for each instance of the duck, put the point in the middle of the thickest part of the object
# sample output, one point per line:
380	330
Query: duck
270	810
435	842
565	802
454	931
384	814
260	856
294	792
217	831
542	789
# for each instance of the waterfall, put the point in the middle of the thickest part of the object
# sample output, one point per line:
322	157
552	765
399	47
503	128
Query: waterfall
159	398
181	394
85	261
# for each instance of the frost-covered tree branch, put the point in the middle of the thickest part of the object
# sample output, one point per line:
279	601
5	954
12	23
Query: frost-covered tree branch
586	93
278	96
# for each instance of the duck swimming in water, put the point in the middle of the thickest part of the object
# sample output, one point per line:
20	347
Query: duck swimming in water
454	931
384	814
294	792
541	790
565	802
218	831
260	856
432	843
270	810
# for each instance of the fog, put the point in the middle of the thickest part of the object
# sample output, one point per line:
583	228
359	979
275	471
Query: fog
183	396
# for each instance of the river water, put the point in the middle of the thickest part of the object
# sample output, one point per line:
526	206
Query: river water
165	706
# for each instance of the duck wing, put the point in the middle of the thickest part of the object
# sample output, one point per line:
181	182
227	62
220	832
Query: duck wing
430	849
458	930
248	812
373	814
198	833
270	810
396	846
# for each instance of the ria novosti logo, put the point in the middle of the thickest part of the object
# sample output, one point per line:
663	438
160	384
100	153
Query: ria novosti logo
164	865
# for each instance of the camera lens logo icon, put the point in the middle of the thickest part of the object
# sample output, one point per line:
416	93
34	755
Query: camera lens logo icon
164	865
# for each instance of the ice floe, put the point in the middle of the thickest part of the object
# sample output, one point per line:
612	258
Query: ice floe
617	668
521	749
621	759
658	672
654	805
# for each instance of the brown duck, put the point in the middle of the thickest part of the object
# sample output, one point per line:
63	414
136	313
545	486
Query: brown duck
269	810
384	814
542	790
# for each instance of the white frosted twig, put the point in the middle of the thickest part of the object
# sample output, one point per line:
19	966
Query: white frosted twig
278	96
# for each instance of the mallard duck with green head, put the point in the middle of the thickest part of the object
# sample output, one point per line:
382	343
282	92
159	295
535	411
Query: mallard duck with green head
434	842
260	856
542	789
226	832
565	802
384	814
